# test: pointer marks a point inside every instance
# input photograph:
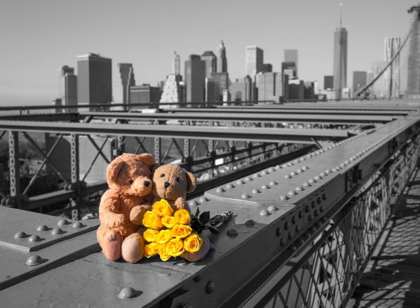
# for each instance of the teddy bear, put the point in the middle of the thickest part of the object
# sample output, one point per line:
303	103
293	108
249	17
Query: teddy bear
123	205
172	183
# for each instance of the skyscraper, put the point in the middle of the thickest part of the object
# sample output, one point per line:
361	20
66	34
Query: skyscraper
359	81
176	64
289	66
267	67
67	86
94	82
269	86
254	60
127	80
392	74
144	94
195	74
221	59
211	62
291	55
241	90
340	61
328	82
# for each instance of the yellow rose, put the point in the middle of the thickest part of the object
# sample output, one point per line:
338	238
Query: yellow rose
175	247
162	208
164	255
149	235
163	236
151	220
151	249
182	217
168	221
181	231
193	243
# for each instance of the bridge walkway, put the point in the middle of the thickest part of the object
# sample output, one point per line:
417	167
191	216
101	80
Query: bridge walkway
392	277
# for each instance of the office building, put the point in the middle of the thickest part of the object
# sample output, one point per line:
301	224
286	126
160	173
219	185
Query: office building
94	82
269	86
254	60
221	59
328	82
173	90
144	94
212	90
241	90
309	91
67	87
210	60
176	64
127	80
296	90
289	66
195	74
291	55
392	81
359	81
340	61
267	67
223	80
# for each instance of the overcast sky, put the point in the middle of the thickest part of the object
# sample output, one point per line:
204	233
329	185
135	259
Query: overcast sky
37	37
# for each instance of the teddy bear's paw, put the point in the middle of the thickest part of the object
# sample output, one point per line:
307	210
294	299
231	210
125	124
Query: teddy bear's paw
133	248
111	246
197	256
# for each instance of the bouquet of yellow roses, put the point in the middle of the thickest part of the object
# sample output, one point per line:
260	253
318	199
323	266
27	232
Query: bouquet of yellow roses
169	233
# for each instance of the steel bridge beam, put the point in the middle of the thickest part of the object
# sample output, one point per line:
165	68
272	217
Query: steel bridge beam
197	132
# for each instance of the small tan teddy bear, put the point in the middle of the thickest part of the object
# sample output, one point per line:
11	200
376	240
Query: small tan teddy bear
123	205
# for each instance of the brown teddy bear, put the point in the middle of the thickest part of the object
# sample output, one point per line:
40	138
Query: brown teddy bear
123	205
172	183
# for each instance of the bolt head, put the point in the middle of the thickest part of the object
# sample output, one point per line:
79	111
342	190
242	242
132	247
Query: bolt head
272	209
33	260
20	234
78	224
62	222
283	197
255	191
265	187
128	292
220	190
57	231
34	238
245	196
249	223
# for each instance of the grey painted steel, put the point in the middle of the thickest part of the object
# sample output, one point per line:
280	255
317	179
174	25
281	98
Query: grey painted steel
196	132
203	116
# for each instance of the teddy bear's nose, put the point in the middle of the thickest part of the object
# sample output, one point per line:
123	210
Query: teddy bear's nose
146	183
167	184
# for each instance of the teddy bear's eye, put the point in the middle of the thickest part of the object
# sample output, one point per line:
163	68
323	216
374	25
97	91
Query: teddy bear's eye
131	182
162	175
177	179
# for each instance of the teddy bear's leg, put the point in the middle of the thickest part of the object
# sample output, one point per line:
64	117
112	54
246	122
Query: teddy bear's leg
196	256
133	248
111	245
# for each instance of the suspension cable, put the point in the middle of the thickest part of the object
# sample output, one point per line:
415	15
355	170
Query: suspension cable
393	58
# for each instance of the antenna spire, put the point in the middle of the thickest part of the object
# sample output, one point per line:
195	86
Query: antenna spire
341	15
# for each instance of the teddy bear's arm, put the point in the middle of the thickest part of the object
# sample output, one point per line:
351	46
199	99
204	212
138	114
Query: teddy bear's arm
137	213
181	203
108	212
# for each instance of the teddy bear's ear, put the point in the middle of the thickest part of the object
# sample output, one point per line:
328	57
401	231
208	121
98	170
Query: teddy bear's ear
192	183
113	170
154	167
146	159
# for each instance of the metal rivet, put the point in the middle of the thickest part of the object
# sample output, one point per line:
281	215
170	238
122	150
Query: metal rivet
287	176
62	222
292	173
316	213
271	209
278	232
77	225
128	292
255	191
286	225
321	208
291	234
277	167
34	238
256	175
306	184
42	228
297	229
291	193
264	172
20	234
271	169
293	220
324	197
245	196
263	213
198	277
298	188
249	223
293	248
272	183
248	178
265	187
300	214
220	190
307	209
283	197
310	217
318	200
229	186
282	242
305	168
57	231
33	260
210	287
311	181
203	199
232	232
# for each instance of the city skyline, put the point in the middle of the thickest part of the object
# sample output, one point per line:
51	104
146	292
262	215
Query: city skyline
61	40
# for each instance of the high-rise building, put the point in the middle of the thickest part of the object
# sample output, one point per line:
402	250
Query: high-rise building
67	87
359	81
267	67
176	64
289	66
296	90
291	55
173	90
269	86
94	82
377	89
223	80
127	80
309	92
392	74
211	62
212	90
328	82
254	60
241	90
195	74
340	61
144	94
221	59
